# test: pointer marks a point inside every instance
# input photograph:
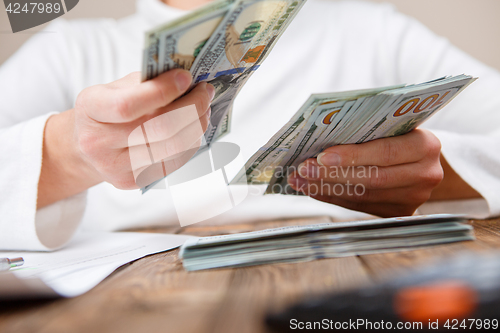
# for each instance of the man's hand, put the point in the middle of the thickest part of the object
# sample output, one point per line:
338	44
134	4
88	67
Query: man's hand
386	177
90	144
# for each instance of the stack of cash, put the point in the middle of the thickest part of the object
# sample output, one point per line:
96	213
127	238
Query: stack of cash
331	119
326	240
222	43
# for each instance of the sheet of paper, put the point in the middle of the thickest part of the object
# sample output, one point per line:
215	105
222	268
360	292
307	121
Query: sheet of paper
80	266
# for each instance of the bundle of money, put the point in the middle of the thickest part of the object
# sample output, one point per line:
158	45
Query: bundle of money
222	43
326	240
351	117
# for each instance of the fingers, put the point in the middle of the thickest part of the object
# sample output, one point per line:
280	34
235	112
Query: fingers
149	127
373	177
407	148
174	118
143	152
181	142
153	94
150	173
386	177
173	164
201	96
128	99
159	128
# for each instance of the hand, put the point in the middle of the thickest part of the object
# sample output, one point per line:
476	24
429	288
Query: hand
90	144
386	177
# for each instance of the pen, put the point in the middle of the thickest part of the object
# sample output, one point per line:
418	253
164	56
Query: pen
6	263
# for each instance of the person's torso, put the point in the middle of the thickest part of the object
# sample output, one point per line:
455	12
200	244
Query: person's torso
330	46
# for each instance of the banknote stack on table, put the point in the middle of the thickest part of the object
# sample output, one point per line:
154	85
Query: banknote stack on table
326	240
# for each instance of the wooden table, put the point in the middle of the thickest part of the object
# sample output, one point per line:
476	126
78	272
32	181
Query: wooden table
155	294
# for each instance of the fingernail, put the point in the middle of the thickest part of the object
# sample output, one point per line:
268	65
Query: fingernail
211	91
183	80
309	171
297	182
329	159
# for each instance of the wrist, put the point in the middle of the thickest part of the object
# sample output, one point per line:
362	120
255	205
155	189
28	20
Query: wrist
453	187
65	171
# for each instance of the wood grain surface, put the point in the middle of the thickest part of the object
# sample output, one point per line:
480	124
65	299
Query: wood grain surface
155	294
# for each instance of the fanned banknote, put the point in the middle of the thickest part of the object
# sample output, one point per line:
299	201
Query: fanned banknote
346	118
222	43
177	43
236	49
326	240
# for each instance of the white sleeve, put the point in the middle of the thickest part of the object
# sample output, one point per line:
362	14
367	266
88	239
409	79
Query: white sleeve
33	84
469	127
476	158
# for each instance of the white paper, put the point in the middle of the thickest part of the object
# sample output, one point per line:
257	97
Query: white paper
80	266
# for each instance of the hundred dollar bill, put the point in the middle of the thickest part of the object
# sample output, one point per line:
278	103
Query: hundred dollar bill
183	40
236	49
177	43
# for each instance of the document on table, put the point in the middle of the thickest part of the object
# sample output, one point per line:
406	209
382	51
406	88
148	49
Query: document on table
80	266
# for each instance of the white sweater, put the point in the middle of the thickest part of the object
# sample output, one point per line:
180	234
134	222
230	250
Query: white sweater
330	46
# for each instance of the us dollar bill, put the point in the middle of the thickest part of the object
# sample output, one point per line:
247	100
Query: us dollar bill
182	42
177	43
236	49
347	118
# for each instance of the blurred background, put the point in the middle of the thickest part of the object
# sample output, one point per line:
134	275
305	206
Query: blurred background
472	25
